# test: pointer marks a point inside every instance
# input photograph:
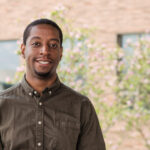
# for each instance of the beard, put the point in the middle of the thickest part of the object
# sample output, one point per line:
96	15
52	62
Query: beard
43	75
39	72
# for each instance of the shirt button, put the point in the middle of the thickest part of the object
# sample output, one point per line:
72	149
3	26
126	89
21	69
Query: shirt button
30	94
39	122
35	92
39	144
50	92
40	103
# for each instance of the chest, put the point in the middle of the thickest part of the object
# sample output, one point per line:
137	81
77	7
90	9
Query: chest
41	126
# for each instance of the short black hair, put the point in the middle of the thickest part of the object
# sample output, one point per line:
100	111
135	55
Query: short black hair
38	22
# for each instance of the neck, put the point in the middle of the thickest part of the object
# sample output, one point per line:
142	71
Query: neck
38	84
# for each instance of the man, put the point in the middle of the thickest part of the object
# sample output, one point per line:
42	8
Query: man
41	113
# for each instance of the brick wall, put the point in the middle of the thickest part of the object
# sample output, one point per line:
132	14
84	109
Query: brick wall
110	17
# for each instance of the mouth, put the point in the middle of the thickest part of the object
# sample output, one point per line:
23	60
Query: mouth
44	62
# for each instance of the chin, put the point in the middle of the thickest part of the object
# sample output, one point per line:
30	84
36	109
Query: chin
44	75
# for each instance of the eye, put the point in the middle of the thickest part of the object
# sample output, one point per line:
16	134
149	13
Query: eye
36	44
53	46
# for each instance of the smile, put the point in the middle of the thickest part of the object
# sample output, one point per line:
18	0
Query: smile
44	62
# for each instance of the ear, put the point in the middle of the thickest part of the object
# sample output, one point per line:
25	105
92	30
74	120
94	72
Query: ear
23	50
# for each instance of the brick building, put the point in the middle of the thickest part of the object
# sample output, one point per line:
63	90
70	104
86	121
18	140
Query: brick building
109	17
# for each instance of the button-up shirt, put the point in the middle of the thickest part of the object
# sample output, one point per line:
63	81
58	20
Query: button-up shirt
60	119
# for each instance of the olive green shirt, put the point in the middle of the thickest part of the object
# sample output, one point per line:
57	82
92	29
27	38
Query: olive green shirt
60	119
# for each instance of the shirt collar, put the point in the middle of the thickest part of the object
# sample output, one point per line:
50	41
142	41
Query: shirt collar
50	90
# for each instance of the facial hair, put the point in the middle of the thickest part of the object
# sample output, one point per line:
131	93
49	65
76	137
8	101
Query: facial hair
42	75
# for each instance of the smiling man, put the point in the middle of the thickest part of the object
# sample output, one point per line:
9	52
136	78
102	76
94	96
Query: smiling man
42	50
41	113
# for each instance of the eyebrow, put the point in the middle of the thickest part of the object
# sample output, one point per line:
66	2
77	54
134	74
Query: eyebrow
54	39
35	37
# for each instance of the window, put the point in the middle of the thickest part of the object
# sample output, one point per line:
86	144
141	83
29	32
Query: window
126	42
124	39
9	60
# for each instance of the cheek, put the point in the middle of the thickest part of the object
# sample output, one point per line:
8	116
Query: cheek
59	58
55	55
30	53
29	57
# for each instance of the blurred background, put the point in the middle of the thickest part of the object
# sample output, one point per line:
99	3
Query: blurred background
106	57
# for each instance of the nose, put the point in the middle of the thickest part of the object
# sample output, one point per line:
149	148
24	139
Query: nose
44	50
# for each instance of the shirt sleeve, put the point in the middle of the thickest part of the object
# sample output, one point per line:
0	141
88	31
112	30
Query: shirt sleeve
91	137
1	148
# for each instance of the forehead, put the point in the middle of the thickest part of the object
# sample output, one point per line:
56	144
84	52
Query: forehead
43	31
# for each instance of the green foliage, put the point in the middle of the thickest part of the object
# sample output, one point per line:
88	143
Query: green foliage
133	90
133	87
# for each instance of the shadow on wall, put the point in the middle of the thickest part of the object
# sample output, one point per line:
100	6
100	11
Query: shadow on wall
4	86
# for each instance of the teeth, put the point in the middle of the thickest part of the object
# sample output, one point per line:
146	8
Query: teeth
43	62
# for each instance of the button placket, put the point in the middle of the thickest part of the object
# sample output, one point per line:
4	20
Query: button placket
39	127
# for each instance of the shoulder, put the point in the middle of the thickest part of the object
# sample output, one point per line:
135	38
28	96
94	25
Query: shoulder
10	91
6	96
73	94
82	101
